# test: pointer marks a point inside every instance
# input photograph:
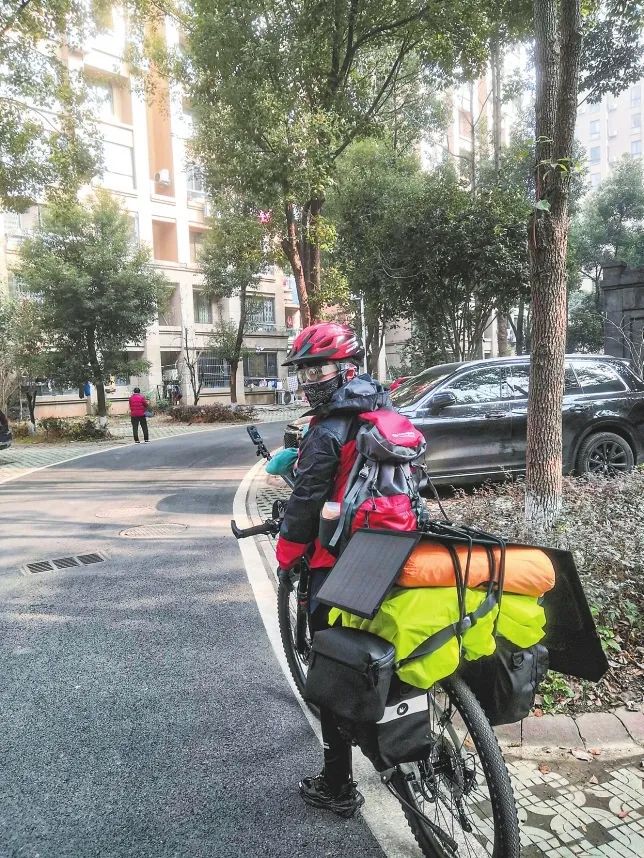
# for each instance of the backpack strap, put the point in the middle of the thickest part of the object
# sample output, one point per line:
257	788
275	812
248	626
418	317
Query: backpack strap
439	639
357	479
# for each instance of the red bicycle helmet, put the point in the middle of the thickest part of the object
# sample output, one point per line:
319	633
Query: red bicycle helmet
325	341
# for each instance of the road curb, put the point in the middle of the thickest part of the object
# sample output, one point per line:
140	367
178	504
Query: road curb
615	734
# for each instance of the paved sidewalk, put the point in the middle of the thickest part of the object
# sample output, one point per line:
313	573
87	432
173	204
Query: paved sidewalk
21	459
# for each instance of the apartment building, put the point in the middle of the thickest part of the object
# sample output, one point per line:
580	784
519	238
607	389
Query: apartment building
610	129
147	166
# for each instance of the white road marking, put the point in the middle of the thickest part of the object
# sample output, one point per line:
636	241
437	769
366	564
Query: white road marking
381	811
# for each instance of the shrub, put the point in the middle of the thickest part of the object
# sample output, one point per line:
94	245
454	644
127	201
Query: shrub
61	428
20	430
214	413
162	406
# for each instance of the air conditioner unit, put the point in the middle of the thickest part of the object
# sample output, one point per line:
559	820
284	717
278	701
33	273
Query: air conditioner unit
285	397
162	177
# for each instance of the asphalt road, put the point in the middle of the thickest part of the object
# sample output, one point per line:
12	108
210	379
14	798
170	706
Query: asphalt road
142	711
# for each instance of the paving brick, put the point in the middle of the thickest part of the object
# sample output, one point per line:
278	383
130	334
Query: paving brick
634	723
602	730
550	731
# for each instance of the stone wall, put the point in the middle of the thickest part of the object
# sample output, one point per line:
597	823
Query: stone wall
623	307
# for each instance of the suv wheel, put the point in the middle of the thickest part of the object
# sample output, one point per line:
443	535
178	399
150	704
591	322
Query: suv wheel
605	454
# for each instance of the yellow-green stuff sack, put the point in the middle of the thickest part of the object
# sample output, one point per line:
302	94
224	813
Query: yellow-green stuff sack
407	617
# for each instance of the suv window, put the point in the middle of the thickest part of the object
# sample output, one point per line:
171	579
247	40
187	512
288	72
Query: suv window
516	382
597	377
481	385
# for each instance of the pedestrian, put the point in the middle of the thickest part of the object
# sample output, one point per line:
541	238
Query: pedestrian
138	406
178	396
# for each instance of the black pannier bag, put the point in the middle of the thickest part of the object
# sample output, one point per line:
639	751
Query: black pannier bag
403	733
350	673
506	682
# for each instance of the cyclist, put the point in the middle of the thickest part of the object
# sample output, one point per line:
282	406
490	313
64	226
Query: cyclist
326	356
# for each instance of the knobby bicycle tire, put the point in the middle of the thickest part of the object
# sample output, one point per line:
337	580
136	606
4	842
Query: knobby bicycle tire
501	797
286	622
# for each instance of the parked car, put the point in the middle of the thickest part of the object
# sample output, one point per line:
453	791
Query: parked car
474	416
5	432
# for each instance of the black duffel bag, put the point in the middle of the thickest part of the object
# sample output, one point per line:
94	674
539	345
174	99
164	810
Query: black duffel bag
350	673
506	682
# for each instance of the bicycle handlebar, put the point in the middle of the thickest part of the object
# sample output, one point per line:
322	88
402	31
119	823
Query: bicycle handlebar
270	527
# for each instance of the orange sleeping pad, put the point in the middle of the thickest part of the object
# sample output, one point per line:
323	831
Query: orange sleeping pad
528	571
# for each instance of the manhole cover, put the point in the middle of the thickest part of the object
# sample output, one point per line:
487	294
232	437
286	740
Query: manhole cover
154	531
119	511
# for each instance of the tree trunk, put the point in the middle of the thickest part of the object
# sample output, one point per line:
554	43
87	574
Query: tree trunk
496	67
473	142
557	49
101	407
31	404
292	251
239	340
502	334
520	336
315	267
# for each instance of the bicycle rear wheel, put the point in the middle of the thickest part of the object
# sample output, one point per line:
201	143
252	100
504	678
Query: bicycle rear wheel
462	786
297	652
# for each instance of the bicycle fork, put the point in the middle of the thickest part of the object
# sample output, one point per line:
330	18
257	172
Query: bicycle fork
301	626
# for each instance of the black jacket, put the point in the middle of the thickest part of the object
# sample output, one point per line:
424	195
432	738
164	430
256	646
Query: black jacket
321	454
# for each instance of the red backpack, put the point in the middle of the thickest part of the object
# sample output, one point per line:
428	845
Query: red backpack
382	488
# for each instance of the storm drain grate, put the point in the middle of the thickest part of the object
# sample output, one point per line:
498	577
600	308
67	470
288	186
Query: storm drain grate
41	566
154	531
63	563
87	559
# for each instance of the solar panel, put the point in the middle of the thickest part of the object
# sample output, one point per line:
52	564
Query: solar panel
366	570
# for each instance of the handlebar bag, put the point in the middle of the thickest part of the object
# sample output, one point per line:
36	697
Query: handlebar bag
350	673
506	682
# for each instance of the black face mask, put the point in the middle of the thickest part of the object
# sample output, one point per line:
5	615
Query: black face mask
322	392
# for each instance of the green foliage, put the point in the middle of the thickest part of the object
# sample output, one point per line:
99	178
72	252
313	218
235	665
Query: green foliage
223	342
585	327
555	691
213	413
280	93
96	291
39	153
610	224
64	429
611	57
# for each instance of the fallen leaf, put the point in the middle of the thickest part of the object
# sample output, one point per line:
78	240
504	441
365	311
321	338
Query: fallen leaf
595	751
580	754
622	814
538	713
593	780
543	768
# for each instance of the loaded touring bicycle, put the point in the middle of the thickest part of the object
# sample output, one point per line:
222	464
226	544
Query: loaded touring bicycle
436	635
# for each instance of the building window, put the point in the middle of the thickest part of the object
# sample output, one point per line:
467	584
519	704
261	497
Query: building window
195	182
202	308
636	121
259	367
636	95
261	312
595	154
118	164
196	244
595	179
101	94
594	107
214	371
594	128
170	307
636	147
16	289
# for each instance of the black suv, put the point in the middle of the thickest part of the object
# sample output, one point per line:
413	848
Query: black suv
5	432
474	416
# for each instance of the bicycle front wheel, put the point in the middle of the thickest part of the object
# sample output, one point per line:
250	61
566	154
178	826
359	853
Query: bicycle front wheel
296	643
462	787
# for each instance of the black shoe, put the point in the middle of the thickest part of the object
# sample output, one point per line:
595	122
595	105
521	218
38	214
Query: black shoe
137	442
316	792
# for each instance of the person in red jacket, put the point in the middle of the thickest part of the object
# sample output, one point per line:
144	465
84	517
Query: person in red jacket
138	406
327	356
